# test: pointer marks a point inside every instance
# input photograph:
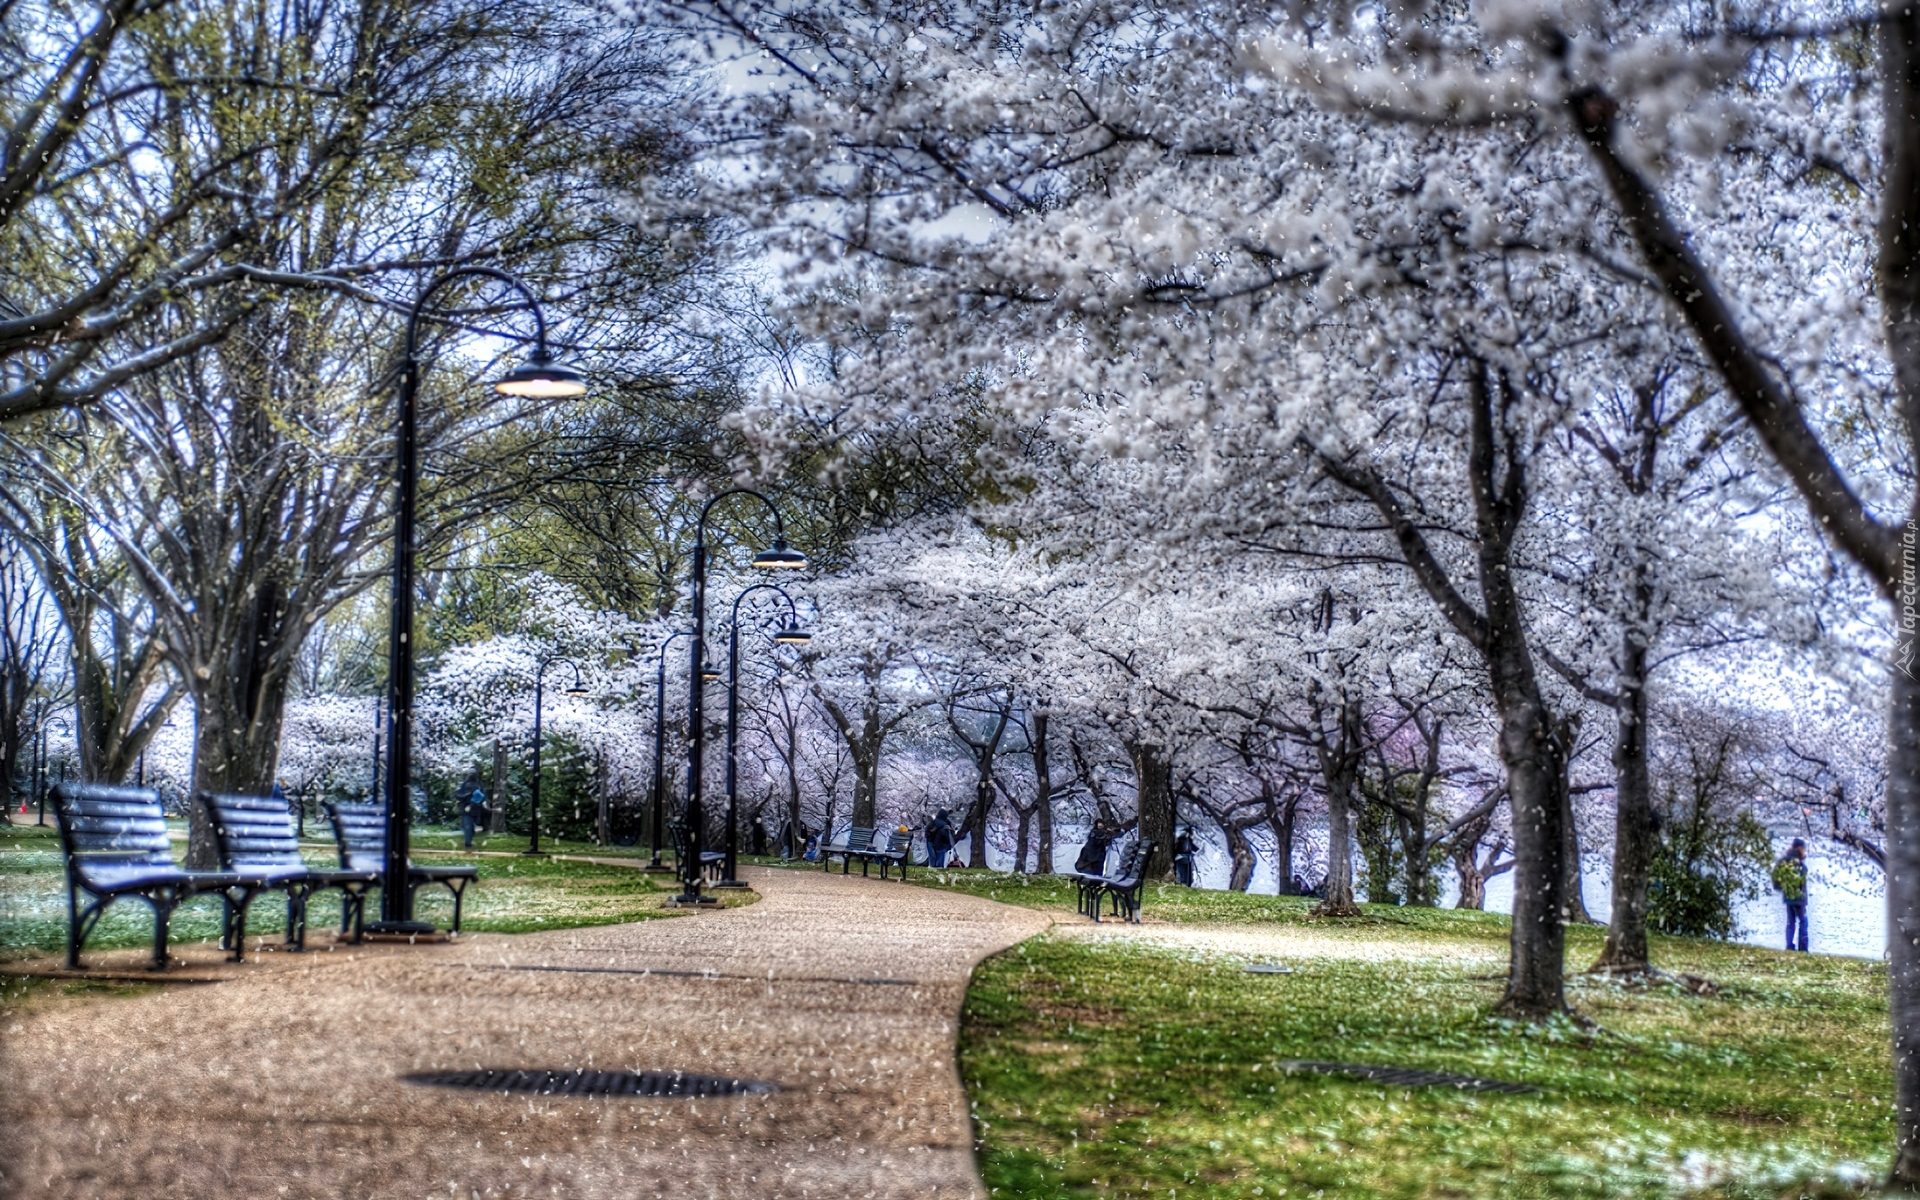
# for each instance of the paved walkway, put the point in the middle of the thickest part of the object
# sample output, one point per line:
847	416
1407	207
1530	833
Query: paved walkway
282	1082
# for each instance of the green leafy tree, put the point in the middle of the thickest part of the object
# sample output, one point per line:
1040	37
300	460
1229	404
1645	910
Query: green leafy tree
1713	851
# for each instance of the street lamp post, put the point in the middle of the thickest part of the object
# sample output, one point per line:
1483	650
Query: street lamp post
792	635
779	556
539	377
539	684
660	749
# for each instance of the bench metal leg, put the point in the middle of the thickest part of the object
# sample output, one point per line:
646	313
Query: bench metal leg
297	897
163	905
73	928
235	939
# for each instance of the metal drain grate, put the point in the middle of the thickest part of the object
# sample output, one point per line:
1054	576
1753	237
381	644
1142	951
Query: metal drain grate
594	1083
1410	1077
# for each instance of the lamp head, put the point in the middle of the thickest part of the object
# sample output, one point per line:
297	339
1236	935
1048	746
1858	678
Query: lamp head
780	556
578	689
793	635
542	378
709	672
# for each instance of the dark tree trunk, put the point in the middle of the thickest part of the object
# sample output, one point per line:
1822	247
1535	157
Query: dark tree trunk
1281	820
1023	840
977	820
1339	770
1042	794
602	811
238	712
1153	779
797	842
1536	786
497	814
1473	888
1571	853
1633	834
866	784
1529	739
1421	892
1240	853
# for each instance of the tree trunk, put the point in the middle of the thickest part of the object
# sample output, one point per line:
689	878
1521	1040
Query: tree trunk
1042	795
1022	840
113	669
232	752
1240	852
1153	780
866	786
1570	854
1421	892
603	815
497	801
1281	820
1337	770
1536	786
977	819
238	708
1570	849
797	841
1473	888
1633	833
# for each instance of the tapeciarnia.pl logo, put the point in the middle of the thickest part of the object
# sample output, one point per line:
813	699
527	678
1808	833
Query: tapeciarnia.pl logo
1906	596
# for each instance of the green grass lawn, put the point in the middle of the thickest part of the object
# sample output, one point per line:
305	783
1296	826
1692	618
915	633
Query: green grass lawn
513	895
1114	1068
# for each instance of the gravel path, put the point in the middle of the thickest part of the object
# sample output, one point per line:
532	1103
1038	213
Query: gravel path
283	1081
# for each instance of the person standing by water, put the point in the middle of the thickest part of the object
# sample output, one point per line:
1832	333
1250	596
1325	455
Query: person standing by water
1790	877
939	835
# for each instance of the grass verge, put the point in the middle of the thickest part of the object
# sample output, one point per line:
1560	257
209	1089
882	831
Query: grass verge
1111	1067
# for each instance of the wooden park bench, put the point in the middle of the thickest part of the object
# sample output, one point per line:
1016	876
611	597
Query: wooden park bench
859	842
115	843
360	833
859	845
713	863
256	836
899	850
1122	887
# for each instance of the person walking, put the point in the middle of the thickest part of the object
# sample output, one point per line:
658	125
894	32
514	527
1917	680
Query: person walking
939	835
472	799
1790	878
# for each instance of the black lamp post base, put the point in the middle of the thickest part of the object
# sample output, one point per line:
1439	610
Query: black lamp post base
400	928
689	901
656	867
535	854
728	883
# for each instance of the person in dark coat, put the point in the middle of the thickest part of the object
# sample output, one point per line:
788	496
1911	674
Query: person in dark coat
1093	856
1183	852
1790	878
472	801
939	835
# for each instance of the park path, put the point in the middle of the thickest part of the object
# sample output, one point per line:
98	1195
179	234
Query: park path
282	1081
